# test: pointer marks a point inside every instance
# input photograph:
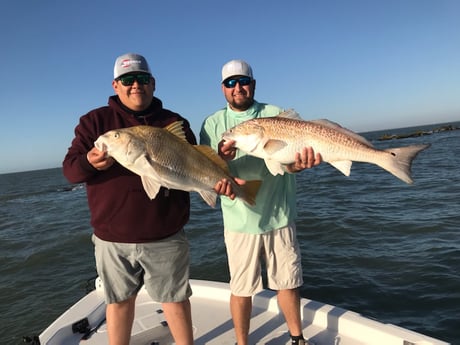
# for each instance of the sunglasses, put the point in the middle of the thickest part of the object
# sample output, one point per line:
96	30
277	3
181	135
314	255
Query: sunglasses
128	80
231	83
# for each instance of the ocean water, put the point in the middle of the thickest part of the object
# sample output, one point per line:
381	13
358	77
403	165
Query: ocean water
370	243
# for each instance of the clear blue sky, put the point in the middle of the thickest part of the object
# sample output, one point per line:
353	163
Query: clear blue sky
365	64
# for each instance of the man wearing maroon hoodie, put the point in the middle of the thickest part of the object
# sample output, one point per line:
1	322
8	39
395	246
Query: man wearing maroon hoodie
137	240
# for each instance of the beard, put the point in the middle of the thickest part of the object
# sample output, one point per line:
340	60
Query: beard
241	104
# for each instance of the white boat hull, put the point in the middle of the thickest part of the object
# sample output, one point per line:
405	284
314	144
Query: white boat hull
322	324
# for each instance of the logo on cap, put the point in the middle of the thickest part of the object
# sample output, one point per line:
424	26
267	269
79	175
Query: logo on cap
128	62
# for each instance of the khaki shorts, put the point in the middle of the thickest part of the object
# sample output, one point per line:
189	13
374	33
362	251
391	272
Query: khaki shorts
162	266
280	251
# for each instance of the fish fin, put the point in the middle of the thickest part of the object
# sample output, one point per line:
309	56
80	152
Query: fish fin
343	166
209	152
290	114
176	128
399	161
250	189
274	167
339	128
151	186
273	145
209	197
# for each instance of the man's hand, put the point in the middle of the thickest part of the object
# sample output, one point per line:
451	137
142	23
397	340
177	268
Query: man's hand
226	150
304	160
224	187
99	159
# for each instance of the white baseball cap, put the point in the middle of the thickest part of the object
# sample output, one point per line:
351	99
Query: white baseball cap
128	63
236	67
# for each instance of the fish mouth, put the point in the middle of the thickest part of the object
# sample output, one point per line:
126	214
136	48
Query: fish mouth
226	136
226	139
100	146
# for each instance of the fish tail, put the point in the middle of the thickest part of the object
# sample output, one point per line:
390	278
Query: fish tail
249	191
399	161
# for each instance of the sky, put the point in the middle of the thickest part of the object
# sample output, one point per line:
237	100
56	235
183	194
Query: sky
366	64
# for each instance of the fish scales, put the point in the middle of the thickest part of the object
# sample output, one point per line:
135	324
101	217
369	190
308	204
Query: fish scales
192	167
163	150
277	139
162	157
330	142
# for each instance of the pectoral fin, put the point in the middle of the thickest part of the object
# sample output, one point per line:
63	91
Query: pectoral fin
343	166
151	186
273	145
143	167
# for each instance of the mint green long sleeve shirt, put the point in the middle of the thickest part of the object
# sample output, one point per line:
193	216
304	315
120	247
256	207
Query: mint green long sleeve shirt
276	200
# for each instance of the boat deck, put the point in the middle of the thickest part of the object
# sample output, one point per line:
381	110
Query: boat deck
322	324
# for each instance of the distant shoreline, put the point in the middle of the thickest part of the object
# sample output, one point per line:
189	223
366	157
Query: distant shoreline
418	133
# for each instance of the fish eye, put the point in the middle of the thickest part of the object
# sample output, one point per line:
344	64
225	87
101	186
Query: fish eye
117	135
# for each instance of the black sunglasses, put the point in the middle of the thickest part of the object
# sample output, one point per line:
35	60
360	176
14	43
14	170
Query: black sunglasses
128	80
231	82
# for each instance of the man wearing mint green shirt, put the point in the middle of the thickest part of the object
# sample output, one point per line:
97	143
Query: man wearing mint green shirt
266	230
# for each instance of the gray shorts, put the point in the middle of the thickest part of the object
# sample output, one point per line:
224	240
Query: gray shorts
162	266
280	251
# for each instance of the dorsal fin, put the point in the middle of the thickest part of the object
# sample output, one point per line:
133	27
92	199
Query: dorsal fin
290	114
212	155
339	128
176	129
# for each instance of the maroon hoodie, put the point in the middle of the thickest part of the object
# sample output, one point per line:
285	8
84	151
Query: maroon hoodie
120	209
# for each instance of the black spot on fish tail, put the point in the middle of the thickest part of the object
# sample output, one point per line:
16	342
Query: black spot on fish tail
401	161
